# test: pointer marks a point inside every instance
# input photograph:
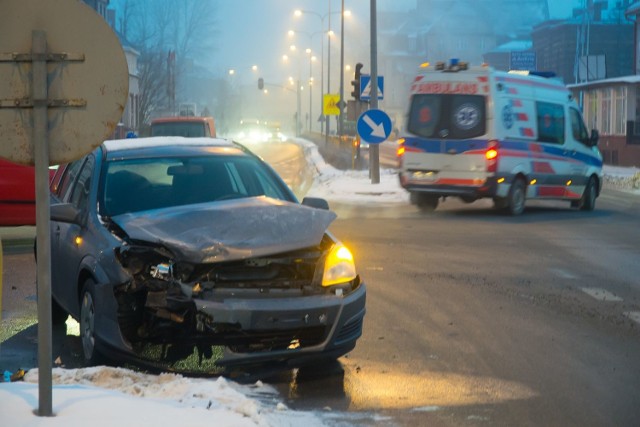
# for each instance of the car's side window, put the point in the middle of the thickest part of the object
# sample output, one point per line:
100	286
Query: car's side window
80	191
69	177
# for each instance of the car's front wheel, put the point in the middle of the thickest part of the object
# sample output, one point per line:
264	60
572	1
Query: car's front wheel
87	324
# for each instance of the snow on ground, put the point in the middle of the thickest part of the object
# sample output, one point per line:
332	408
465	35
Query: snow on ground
106	396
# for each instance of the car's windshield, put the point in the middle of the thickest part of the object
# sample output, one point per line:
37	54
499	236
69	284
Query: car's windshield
186	129
447	116
134	185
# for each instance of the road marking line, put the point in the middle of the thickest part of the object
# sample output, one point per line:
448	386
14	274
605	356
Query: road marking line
633	315
564	273
601	294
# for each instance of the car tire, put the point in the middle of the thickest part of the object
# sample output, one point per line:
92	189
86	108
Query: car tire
588	201
58	314
424	202
87	324
517	197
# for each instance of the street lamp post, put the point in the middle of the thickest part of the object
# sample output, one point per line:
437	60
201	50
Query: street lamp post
329	33
285	58
311	59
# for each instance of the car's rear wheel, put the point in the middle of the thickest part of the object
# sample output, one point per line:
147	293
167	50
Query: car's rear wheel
87	324
588	201
517	197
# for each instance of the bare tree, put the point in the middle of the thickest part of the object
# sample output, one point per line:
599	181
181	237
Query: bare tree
155	28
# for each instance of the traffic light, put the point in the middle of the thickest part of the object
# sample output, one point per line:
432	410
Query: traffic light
260	83
356	83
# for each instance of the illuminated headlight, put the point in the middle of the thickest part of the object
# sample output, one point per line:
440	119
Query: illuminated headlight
339	267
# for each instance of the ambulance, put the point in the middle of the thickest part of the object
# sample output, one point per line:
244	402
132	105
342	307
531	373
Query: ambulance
474	132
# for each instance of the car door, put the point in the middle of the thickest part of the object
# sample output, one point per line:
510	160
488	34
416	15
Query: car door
66	252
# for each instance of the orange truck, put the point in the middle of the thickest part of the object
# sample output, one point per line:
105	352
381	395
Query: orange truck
188	126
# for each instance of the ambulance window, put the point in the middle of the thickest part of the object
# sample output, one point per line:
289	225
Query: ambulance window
424	114
447	116
550	122
467	116
578	128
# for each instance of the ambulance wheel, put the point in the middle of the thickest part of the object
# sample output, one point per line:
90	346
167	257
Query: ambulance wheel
424	202
468	199
588	201
517	197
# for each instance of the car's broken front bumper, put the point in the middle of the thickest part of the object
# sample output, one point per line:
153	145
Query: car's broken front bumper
287	328
241	330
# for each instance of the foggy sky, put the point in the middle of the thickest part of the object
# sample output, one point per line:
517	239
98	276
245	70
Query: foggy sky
253	32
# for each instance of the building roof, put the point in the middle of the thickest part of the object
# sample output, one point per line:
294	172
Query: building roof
632	79
634	9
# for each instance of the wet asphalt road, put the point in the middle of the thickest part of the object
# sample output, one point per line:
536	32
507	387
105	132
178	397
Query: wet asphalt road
473	318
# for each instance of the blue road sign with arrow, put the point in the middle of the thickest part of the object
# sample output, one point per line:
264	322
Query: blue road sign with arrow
374	126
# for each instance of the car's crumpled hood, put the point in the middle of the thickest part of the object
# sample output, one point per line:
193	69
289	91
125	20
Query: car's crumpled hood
229	230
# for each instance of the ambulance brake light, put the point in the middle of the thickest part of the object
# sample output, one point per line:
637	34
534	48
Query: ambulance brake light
492	156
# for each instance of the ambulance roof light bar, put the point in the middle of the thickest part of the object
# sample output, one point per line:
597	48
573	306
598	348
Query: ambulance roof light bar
455	65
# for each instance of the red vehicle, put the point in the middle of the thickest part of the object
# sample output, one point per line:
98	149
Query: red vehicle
17	194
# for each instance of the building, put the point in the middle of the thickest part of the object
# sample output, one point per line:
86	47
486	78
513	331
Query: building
130	121
438	30
612	105
577	51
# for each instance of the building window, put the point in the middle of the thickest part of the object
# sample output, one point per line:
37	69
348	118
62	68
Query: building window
620	111
605	107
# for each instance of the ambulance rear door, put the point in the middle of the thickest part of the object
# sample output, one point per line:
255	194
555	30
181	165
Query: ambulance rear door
448	123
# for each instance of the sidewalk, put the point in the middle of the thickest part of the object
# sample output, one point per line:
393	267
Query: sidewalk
17	239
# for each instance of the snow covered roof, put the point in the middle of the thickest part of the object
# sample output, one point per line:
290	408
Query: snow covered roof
632	79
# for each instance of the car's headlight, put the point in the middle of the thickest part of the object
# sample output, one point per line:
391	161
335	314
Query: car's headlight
339	267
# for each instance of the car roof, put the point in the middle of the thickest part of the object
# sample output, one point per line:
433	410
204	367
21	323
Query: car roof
169	145
174	119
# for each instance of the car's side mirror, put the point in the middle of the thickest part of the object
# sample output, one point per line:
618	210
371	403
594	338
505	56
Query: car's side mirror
593	140
316	202
65	212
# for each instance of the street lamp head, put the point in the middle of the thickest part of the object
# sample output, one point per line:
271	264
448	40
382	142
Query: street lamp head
297	13
232	72
254	68
330	33
291	33
307	50
285	58
347	13
292	48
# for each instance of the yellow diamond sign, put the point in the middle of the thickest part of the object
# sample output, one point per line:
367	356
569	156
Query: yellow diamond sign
330	104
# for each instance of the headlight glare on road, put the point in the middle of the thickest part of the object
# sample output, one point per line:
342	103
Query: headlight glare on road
339	267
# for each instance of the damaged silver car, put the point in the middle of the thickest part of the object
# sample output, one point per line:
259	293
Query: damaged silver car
166	249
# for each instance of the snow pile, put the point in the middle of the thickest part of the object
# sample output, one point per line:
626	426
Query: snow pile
106	396
622	178
351	185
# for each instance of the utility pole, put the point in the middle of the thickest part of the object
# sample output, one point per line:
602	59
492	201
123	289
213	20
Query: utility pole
374	149
341	102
